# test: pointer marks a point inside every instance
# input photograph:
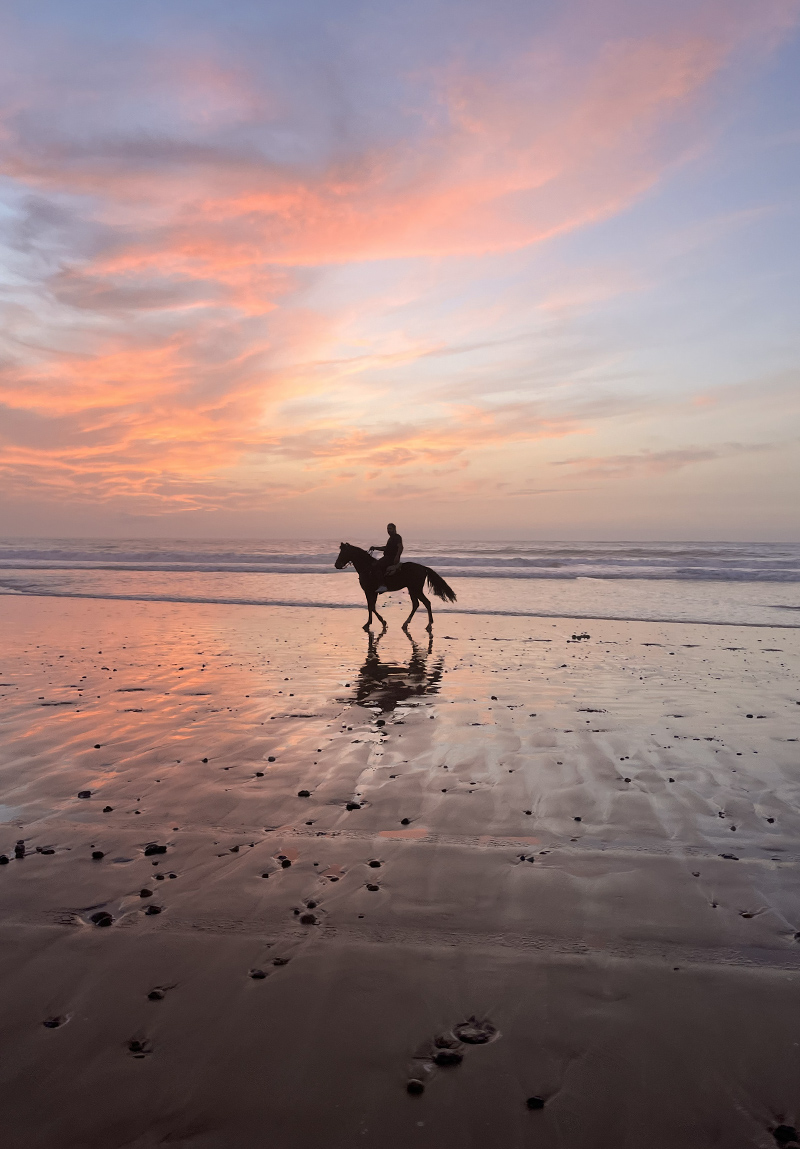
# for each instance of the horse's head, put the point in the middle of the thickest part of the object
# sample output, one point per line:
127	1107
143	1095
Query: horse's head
344	556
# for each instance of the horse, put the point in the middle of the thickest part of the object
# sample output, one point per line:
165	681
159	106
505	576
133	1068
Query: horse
412	576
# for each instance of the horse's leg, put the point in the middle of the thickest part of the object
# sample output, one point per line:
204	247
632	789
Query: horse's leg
414	605
370	608
375	608
426	602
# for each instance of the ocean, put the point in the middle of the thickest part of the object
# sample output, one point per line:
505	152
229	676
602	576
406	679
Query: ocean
742	583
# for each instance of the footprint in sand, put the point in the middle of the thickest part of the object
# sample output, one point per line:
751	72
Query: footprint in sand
447	1050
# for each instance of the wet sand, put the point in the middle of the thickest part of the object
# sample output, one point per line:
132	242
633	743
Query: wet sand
589	845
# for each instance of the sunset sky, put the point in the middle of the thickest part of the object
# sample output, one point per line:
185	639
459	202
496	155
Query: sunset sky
492	270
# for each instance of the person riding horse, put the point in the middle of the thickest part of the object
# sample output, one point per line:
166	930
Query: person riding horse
388	564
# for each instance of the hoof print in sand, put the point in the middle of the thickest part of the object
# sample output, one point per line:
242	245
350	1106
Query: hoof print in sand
448	1049
102	918
474	1032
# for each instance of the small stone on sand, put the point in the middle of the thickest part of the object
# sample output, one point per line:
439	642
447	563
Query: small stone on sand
535	1103
415	1086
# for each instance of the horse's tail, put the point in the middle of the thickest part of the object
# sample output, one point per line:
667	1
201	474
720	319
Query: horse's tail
439	587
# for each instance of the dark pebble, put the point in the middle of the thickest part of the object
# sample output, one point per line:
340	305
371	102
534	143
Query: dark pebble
107	809
234	849
145	893
205	760
47	850
730	857
353	806
136	1046
577	819
448	1057
415	1086
84	793
373	888
19	850
770	819
785	1134
159	877
311	905
153	910
280	961
405	821
154	849
286	863
529	811
102	918
381	722
97	855
53	1022
308	919
172	875
270	759
155	995
259	773
265	875
257	974
375	864
97	745
303	793
535	1103
3	859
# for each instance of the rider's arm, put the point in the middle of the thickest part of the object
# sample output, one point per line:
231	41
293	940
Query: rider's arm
377	548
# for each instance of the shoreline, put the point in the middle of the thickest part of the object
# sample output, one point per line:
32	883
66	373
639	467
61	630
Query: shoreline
440	609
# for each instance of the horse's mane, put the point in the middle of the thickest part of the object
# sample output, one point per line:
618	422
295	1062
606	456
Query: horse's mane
352	547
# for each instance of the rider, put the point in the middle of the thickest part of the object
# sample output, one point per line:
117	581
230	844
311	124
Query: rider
392	549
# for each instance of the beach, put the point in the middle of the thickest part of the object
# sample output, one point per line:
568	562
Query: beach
584	847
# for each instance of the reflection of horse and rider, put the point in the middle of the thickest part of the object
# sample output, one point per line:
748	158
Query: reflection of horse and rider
377	576
389	684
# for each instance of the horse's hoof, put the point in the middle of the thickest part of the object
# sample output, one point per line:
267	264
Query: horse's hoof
365	626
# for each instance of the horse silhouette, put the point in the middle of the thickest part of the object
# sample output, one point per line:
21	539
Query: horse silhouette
412	576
